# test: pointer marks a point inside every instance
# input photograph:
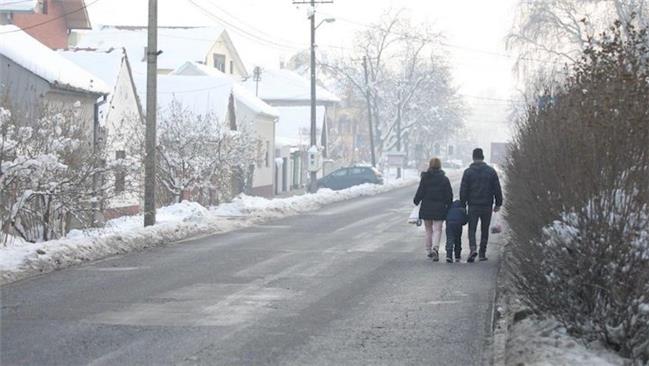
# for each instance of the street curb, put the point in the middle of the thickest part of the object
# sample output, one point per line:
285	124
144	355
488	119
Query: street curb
501	316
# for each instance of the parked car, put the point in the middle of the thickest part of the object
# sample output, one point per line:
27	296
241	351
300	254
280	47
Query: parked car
347	177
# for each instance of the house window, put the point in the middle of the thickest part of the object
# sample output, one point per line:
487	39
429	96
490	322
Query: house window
44	8
120	175
267	154
231	67
219	61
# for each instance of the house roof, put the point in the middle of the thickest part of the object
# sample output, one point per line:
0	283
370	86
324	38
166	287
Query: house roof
17	6
105	64
178	44
34	56
204	94
281	86
195	69
76	14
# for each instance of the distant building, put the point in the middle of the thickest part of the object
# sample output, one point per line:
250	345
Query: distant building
210	46
290	93
48	21
34	78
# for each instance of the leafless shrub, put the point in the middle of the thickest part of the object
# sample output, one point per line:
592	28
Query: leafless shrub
578	188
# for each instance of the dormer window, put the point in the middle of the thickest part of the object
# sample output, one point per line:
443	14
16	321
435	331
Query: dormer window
219	61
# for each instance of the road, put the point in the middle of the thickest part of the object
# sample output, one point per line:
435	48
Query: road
345	285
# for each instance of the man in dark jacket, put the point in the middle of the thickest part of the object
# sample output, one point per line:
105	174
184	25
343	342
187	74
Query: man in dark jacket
480	189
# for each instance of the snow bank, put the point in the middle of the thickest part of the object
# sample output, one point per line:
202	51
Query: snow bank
545	342
19	259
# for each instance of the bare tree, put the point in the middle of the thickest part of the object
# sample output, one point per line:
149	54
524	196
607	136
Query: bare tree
548	34
409	84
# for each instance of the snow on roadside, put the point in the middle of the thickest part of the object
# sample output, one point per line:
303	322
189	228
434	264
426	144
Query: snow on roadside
536	342
19	259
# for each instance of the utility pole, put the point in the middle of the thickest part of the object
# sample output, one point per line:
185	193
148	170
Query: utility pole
256	78
313	177
151	93
369	111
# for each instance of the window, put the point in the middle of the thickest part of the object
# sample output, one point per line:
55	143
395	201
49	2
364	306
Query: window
359	171
231	67
219	61
120	175
339	173
44	8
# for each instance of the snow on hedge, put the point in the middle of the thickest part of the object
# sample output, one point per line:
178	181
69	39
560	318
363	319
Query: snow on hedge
546	342
19	259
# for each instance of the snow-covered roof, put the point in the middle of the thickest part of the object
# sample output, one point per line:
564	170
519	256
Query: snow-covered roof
105	64
283	85
204	94
34	56
294	125
178	44
17	5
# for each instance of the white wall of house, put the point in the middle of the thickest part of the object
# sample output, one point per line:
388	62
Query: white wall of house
264	127
231	65
123	112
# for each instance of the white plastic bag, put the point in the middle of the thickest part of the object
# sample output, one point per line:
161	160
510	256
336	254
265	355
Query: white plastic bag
414	216
496	225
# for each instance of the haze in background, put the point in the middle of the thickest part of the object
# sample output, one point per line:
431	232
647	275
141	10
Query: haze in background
269	31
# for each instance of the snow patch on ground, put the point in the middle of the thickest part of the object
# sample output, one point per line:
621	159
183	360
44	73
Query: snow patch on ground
19	259
539	342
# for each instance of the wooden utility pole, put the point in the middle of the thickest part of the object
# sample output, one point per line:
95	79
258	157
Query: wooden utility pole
369	111
151	109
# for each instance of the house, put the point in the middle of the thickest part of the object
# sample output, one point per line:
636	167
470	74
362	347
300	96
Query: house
34	77
120	116
48	21
206	45
290	93
211	94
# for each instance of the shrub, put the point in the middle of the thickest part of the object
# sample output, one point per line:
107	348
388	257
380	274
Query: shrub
578	193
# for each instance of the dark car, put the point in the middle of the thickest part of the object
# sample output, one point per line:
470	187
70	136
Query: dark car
348	177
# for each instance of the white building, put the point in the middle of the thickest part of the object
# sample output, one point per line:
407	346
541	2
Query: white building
207	45
211	94
121	116
290	93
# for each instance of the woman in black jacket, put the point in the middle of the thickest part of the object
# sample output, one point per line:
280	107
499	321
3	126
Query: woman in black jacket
436	196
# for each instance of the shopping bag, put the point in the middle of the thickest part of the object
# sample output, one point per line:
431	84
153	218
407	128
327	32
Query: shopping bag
496	225
414	216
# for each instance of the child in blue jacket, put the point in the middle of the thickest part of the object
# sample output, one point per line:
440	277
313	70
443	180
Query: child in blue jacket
455	219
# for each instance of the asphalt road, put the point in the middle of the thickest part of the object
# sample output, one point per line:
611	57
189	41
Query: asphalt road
346	285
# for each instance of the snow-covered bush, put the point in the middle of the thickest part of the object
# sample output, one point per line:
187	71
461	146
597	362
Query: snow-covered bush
51	178
578	195
200	157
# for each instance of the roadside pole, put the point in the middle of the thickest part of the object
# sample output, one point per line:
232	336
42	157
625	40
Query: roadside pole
151	109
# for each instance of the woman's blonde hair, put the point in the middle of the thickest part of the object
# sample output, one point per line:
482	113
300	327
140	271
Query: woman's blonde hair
435	163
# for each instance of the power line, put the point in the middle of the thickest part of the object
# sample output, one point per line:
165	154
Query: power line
85	6
241	31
